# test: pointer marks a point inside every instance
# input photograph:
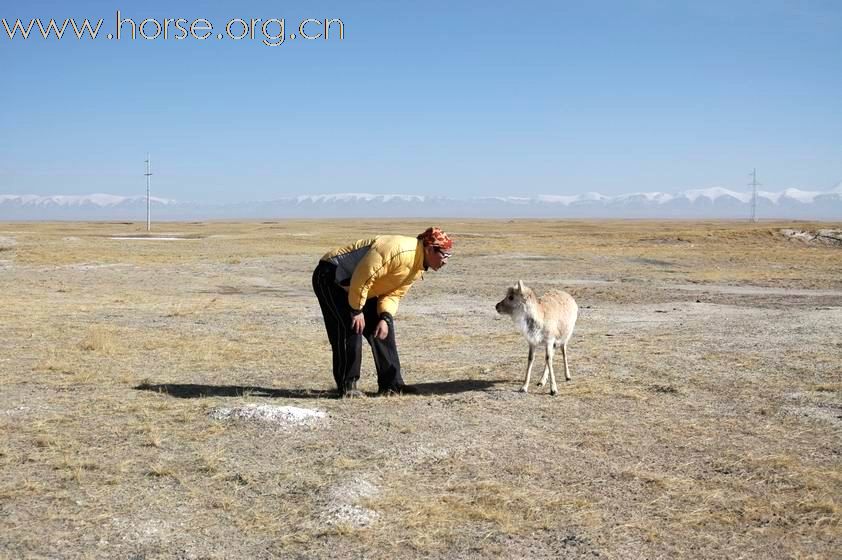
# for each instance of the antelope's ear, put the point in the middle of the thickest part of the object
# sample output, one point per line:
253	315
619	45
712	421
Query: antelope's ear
520	286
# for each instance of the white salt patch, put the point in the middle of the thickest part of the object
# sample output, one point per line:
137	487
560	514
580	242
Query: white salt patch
95	266
23	409
815	406
17	410
151	238
257	281
798	234
345	514
343	507
822	236
352	490
281	415
833	236
822	413
144	531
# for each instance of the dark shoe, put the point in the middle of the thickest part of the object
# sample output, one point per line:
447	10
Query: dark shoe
408	390
351	391
399	390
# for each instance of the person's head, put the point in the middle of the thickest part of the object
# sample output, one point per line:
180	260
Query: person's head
437	247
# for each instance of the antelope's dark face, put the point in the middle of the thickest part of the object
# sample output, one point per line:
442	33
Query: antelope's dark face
514	301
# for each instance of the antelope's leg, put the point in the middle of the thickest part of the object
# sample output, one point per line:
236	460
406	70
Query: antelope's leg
545	376
525	388
550	354
566	369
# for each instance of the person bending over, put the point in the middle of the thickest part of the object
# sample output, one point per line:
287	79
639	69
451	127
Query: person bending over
358	287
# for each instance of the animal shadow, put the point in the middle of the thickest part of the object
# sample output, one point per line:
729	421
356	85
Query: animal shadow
454	387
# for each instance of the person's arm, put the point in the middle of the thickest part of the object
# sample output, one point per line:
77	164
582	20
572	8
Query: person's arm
369	269
383	326
388	303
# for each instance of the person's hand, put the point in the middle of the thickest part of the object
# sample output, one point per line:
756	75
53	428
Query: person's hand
358	323
382	330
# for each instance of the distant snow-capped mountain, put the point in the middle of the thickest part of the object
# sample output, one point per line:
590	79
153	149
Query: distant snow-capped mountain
96	199
715	202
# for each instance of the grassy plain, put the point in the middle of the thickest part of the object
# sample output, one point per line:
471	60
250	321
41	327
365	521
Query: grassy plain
704	418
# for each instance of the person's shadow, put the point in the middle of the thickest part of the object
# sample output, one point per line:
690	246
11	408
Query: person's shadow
195	391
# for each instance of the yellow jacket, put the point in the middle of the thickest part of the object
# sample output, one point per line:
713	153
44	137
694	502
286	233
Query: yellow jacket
383	267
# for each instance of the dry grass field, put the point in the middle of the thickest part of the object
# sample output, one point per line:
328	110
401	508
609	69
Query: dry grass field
704	418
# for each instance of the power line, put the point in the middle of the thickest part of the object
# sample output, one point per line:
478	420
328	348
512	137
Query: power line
148	200
754	184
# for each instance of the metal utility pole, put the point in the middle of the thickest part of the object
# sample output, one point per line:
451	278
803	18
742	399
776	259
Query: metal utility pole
754	184
148	204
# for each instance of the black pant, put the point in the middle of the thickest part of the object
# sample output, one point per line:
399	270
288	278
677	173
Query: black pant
345	343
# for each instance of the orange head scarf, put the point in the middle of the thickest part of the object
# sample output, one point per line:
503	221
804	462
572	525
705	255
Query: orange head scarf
436	237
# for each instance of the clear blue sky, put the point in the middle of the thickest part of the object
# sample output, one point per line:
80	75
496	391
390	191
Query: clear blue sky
462	98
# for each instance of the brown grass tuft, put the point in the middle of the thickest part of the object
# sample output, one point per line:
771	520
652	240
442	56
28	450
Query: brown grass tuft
99	340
